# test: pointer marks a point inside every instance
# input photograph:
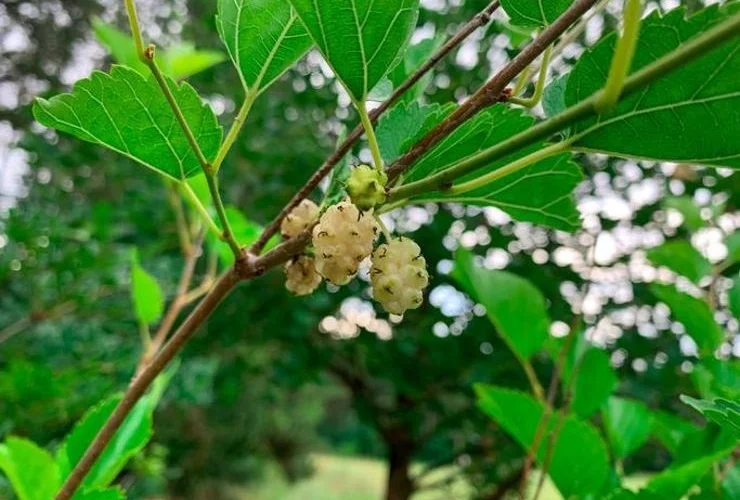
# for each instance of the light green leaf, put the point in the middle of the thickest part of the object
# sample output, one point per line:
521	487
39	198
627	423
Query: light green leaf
671	430
515	306
579	463
360	39
682	258
534	12
184	60
119	45
687	116
695	315
129	440
413	57
179	61
717	378
676	481
518	35
723	412
106	494
31	470
146	294
263	37
628	424
594	383
127	113
403	124
691	213
245	231
733	248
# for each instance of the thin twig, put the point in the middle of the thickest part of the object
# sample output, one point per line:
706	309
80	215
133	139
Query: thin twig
480	19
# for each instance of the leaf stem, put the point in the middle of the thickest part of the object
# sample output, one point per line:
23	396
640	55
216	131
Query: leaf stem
133	20
201	209
623	55
372	140
509	169
183	233
539	87
226	234
236	127
701	44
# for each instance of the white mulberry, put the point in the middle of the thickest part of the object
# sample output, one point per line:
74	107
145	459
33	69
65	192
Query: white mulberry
301	277
299	219
398	275
342	239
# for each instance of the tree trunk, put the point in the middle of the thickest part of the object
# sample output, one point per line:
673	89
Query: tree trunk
399	486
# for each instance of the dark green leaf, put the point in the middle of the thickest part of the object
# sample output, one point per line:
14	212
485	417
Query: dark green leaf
579	463
676	481
360	39
723	412
671	430
628	424
733	248
695	315
146	294
594	383
515	306
734	297
127	113
129	440
263	37
553	98
413	57
682	258
534	12
106	494
31	470
696	102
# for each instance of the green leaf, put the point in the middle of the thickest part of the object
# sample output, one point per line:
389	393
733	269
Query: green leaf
335	191
628	424
696	316
403	124
579	463
682	258
127	113
119	45
515	306
106	494
696	102
129	440
723	412
733	248
184	60
671	430
733	296
31	470
676	481
553	98
146	294
540	193
263	38
691	213
179	61
360	39
413	58
518	35
245	231
594	383
717	378
534	12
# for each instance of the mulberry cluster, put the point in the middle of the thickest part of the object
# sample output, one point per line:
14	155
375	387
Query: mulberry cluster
301	277
342	239
299	219
399	275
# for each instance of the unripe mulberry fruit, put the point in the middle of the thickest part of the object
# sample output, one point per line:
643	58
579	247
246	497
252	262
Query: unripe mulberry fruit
342	239
398	275
301	277
366	186
299	219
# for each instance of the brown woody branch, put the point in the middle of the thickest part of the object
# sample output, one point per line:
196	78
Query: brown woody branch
480	19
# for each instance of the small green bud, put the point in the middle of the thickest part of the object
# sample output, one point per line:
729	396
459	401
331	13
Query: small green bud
366	186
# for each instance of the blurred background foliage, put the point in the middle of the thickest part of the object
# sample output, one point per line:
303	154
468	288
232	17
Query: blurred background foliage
273	380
